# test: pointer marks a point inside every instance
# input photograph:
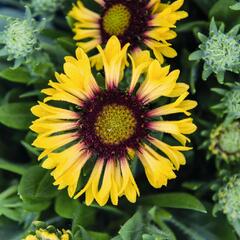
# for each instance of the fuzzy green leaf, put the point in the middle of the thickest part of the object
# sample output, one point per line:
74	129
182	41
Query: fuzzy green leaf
197	55
18	75
36	183
133	228
236	6
16	115
65	206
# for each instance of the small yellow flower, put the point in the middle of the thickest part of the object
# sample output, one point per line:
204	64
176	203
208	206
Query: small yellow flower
108	126
31	237
44	234
146	23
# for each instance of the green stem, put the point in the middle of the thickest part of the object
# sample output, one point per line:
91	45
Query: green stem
12	167
8	192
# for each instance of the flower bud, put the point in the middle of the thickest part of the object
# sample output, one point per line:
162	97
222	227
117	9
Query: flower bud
225	142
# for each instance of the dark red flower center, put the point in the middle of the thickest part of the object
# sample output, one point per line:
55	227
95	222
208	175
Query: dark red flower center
128	20
113	122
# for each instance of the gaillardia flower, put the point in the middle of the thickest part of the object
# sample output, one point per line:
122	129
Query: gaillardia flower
145	23
227	198
46	8
220	52
225	141
20	38
230	102
109	124
43	232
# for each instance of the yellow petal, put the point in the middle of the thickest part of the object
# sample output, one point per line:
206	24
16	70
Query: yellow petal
52	143
140	62
70	175
92	184
105	189
114	61
173	152
179	89
157	168
157	82
179	106
45	111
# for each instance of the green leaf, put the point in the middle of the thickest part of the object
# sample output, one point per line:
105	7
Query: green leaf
213	26
16	115
84	216
222	12
236	6
82	234
197	55
205	226
30	148
10	230
189	26
220	77
193	185
36	184
204	5
18	75
99	235
110	209
67	43
35	205
133	228
12	167
203	38
70	21
10	205
207	71
174	200
65	206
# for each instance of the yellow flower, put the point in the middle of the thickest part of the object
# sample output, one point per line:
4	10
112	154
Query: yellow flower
41	231
31	237
146	23
106	126
44	234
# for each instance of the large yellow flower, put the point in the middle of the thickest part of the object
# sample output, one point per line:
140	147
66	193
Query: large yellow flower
85	121
145	23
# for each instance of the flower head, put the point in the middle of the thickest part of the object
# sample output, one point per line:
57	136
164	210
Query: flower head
230	102
20	38
43	232
225	142
228	200
140	23
220	51
107	126
46	7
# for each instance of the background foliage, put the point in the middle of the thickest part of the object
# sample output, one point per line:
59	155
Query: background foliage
183	210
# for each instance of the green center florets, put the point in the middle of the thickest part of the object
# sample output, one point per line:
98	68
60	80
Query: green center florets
45	7
115	124
229	199
116	20
221	52
233	102
225	142
230	140
20	38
